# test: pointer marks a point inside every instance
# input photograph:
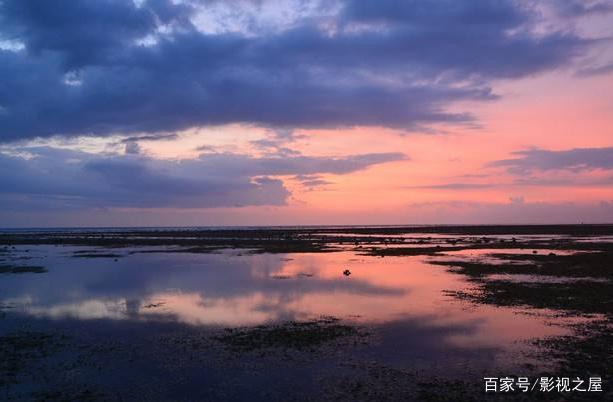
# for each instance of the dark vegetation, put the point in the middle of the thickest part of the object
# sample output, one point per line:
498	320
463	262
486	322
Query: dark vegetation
21	269
305	239
299	335
586	291
10	263
95	254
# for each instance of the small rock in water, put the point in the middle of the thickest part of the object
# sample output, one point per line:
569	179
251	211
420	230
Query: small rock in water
346	272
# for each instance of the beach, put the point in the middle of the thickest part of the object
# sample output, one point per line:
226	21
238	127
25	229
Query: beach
303	313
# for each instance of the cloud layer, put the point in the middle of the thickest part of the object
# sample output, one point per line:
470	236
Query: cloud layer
102	67
50	178
577	159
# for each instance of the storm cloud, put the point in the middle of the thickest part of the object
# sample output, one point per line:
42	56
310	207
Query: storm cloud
101	67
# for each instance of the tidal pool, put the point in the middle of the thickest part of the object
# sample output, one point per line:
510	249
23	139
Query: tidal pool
147	321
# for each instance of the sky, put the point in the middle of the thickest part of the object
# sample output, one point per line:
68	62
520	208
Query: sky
305	112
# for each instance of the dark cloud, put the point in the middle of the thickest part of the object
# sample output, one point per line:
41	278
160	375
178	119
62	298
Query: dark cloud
291	165
163	137
311	181
276	142
457	186
132	147
85	70
274	146
576	180
577	159
71	180
84	33
65	179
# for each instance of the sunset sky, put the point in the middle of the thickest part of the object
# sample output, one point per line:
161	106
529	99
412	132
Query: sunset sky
261	112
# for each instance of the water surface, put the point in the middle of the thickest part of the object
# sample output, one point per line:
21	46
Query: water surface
140	297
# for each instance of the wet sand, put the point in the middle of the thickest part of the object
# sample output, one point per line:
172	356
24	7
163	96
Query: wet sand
318	313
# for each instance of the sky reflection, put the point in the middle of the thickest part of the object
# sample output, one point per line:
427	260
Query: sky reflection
236	289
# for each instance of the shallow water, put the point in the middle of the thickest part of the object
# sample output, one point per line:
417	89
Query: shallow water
511	251
401	301
234	288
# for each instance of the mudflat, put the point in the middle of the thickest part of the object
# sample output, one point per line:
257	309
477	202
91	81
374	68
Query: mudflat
304	313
